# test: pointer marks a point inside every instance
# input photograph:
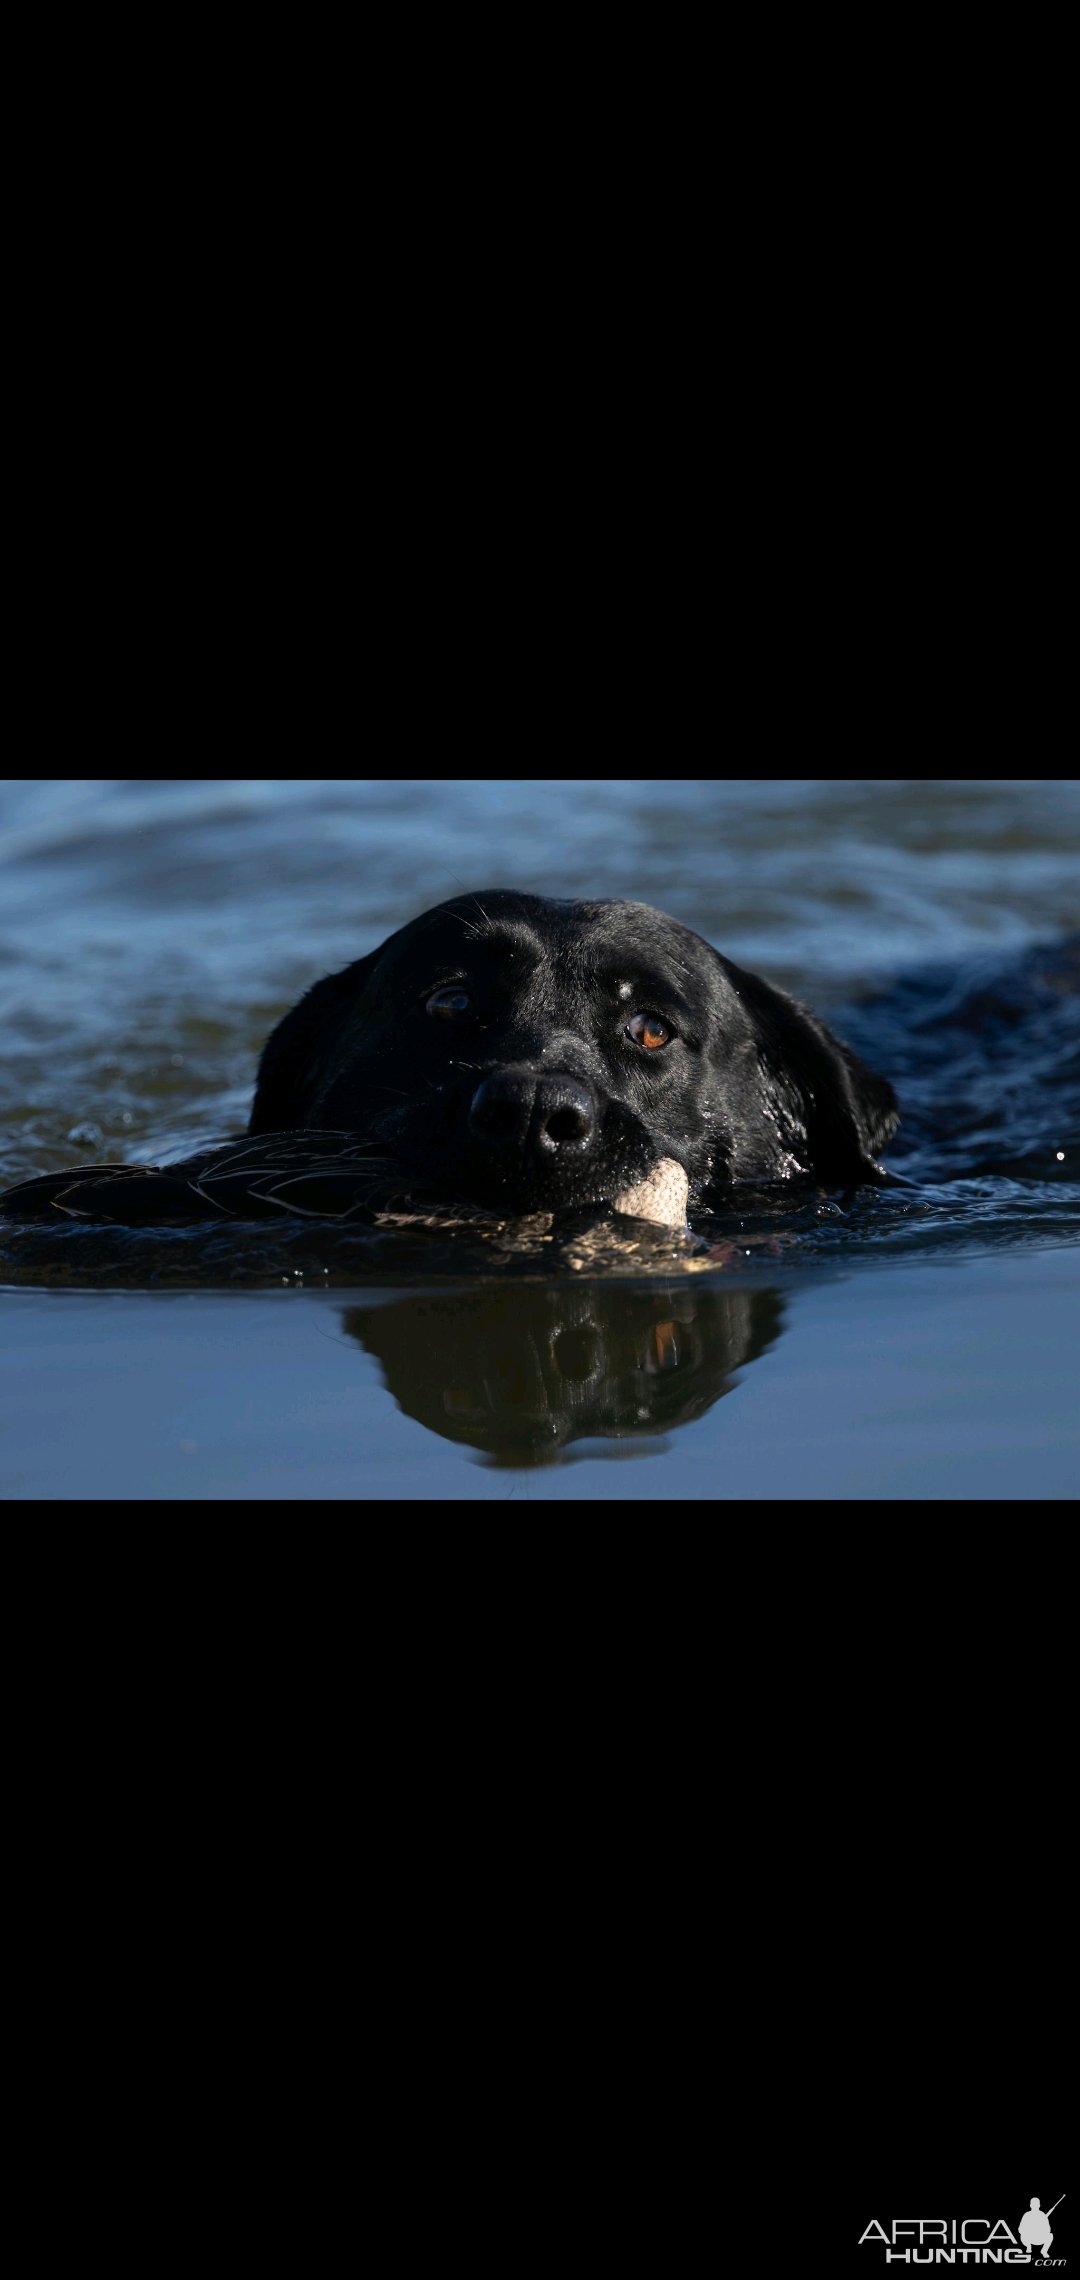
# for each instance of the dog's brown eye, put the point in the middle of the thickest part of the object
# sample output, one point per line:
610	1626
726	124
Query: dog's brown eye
451	1002
647	1029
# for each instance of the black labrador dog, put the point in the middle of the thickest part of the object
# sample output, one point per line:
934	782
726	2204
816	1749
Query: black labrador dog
519	1054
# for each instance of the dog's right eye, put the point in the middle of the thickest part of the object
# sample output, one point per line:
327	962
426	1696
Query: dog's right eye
450	1003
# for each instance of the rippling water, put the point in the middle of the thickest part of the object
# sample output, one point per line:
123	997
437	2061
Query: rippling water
151	933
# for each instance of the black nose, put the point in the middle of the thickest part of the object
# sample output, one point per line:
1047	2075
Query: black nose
551	1117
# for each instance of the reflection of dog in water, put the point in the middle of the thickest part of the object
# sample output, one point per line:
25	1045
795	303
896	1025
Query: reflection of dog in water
520	1371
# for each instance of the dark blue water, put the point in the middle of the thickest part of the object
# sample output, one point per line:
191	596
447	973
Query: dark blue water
918	1342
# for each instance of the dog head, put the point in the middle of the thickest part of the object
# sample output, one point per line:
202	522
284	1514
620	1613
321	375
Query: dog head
524	1054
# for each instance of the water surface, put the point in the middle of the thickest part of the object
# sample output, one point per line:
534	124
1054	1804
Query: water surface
911	1343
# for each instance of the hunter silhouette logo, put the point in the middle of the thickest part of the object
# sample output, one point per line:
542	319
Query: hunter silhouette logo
969	2240
1034	2226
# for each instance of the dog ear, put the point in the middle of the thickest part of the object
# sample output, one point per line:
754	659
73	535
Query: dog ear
292	1064
848	1110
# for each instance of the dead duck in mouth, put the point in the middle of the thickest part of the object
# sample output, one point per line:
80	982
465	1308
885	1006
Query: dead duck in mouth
311	1175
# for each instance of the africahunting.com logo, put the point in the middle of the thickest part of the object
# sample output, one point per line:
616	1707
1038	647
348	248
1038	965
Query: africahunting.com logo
968	2240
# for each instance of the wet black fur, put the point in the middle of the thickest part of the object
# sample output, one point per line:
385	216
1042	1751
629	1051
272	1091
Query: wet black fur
535	1096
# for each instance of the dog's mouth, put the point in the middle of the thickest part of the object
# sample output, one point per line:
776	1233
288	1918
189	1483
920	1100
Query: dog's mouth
521	1143
515	1193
